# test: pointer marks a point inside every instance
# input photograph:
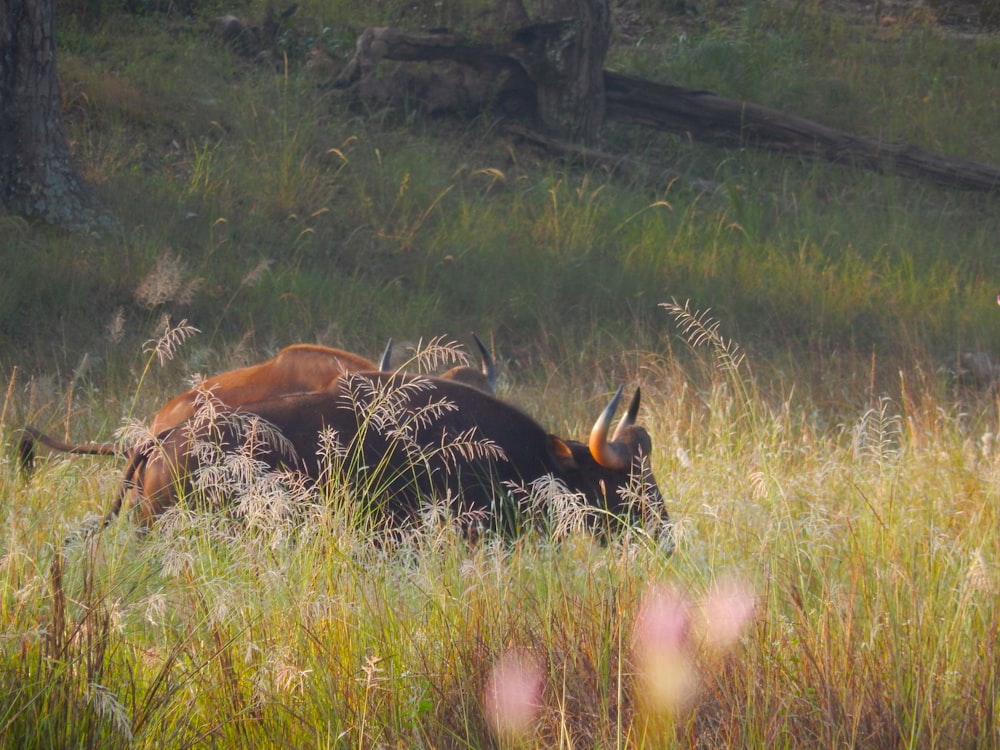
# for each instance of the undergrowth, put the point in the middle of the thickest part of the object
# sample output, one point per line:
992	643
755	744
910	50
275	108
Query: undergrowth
827	587
836	569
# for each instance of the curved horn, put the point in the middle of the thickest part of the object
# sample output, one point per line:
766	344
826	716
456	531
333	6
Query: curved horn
386	361
603	451
489	366
629	418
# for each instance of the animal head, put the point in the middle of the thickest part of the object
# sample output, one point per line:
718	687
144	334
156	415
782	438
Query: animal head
614	473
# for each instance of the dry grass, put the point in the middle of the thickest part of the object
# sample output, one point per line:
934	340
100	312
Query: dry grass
828	588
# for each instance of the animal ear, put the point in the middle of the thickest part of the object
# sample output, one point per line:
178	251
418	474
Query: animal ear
561	453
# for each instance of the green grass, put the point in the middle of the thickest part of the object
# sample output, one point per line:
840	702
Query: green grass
225	165
837	471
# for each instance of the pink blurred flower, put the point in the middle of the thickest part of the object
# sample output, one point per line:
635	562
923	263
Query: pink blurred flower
664	620
659	647
727	610
512	697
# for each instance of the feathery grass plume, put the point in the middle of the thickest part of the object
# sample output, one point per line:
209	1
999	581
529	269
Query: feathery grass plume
154	607
699	329
242	351
381	404
207	407
231	469
116	327
255	274
169	340
162	348
134	434
174	546
331	452
467	445
747	412
878	434
436	355
280	676
652	517
981	576
548	504
166	283
80	372
250	279
385	409
443	521
109	708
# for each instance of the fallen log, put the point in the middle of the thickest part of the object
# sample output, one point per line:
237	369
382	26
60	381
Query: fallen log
730	122
477	77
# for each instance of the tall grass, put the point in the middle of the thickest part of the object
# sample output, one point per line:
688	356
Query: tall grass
864	553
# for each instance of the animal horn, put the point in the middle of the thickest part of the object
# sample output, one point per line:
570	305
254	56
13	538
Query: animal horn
386	361
489	366
629	418
603	451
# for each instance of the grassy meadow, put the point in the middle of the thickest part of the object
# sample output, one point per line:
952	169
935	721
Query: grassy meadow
832	575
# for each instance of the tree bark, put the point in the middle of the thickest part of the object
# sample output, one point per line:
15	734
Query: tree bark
564	55
37	176
556	63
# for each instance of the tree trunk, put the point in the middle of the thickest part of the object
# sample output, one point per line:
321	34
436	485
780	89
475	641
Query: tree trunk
563	54
37	177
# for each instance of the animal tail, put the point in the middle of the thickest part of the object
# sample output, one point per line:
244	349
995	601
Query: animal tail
27	448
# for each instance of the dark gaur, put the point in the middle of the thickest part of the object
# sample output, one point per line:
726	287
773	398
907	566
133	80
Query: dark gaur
404	452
